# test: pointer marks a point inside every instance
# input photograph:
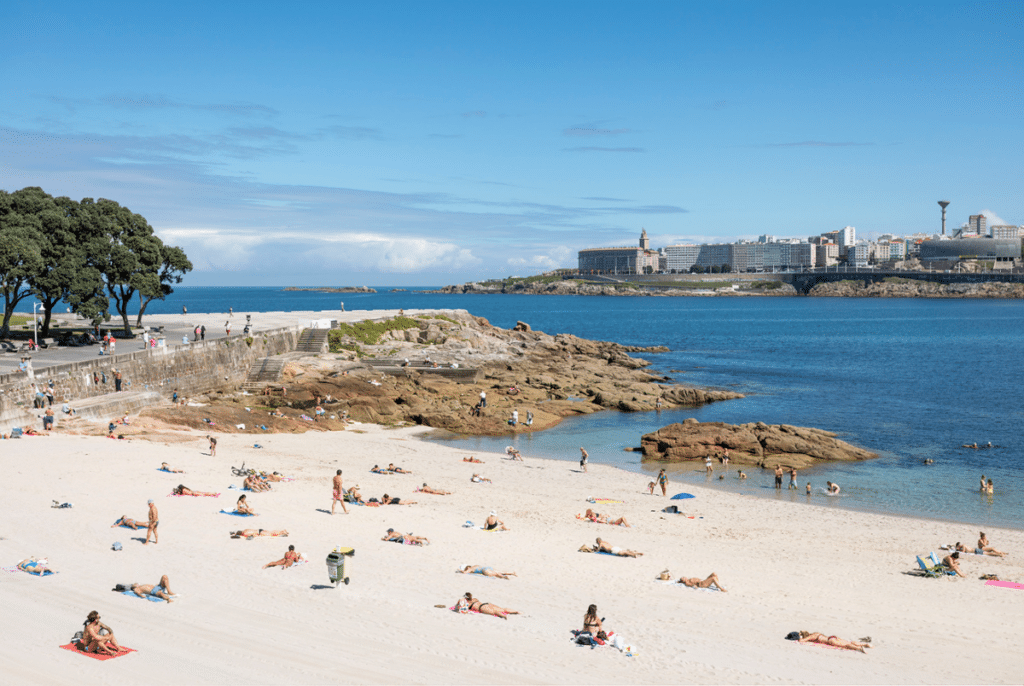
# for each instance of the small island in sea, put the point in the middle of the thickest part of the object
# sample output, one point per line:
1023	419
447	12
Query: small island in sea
332	289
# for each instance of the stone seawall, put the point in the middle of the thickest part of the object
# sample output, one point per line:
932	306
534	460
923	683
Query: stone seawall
188	369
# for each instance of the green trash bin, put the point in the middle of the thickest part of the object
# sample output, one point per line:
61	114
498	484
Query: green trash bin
336	571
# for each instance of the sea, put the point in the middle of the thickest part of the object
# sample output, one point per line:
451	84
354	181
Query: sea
910	379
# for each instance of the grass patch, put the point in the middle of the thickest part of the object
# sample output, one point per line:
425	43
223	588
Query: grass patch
368	333
18	320
766	285
437	316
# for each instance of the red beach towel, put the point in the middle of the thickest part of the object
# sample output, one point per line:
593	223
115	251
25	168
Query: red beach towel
74	647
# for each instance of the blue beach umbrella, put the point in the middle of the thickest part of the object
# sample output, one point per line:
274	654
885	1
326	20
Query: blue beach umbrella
683	496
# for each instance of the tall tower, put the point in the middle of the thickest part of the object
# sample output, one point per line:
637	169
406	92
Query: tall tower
645	242
942	204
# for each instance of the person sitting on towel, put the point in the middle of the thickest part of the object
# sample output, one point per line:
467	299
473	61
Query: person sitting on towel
242	506
98	637
706	583
161	590
605	547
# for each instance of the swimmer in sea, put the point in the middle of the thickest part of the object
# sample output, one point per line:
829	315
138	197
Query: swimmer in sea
833	489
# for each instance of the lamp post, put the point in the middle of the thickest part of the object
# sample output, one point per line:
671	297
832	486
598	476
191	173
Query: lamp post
35	325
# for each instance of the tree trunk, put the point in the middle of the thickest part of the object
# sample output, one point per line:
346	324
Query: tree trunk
142	310
44	331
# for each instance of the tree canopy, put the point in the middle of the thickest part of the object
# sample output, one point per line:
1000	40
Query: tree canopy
88	254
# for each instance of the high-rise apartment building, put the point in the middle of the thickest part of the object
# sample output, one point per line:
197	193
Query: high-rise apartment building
847	238
976	225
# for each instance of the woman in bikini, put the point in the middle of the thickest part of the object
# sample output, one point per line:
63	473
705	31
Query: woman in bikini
484	571
435	491
705	583
254	533
395	537
181	489
601	519
388	500
807	637
984	547
487	608
290	558
242	506
472	459
591	622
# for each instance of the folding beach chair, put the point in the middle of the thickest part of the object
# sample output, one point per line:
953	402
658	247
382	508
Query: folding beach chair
929	570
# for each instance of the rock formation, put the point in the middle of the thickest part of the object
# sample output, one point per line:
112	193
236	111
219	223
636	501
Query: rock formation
917	289
748	444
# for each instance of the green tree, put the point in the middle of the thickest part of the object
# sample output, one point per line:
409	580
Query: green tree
20	256
696	269
157	286
726	268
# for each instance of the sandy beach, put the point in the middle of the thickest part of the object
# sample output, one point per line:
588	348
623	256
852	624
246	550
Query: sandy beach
786	568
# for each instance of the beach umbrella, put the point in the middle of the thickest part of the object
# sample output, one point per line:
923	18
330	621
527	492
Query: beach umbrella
682	496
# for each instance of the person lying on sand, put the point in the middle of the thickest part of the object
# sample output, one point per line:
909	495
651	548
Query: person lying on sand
242	506
706	583
275	476
473	605
378	470
127	521
601	519
256	533
98	637
476	478
161	590
29	431
605	547
395	537
277	413
388	500
984	547
427	489
164	467
181	489
472	459
397	470
290	558
35	566
484	571
807	637
492	523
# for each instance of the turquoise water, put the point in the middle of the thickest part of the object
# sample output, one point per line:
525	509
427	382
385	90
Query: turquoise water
909	379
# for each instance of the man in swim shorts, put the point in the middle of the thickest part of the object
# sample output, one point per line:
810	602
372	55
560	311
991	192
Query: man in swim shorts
338	495
161	590
154	522
778	477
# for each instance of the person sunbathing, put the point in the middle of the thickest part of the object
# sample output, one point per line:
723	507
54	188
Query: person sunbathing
95	640
277	413
378	470
397	470
29	431
249	534
352	495
161	590
492	523
427	489
807	637
130	523
472	459
165	468
474	605
706	583
34	566
393	536
289	559
984	547
476	478
275	477
605	547
242	506
388	500
185	490
601	519
484	571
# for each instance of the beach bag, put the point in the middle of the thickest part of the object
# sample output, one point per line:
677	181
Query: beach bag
585	638
793	636
665	576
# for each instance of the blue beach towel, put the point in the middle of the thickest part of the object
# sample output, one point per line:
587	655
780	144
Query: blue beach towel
682	496
236	514
150	598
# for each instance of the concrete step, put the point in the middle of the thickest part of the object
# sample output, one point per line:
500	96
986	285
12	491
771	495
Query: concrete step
98	407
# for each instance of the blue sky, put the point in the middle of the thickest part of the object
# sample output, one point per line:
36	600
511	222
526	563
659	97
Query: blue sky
414	143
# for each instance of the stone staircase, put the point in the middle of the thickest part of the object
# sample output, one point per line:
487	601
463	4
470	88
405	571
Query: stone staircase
266	371
313	341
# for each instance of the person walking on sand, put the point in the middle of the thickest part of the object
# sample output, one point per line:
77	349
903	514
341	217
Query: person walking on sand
778	477
792	478
338	495
213	446
583	459
154	522
663	482
227	327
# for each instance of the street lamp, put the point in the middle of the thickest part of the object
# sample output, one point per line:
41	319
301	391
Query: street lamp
35	325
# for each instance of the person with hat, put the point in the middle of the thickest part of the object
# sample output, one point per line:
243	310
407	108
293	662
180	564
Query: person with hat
93	638
154	522
492	523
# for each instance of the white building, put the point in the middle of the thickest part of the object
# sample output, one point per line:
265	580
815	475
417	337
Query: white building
847	238
858	254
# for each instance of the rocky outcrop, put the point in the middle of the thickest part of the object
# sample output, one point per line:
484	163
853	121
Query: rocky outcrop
916	289
748	444
574	287
333	289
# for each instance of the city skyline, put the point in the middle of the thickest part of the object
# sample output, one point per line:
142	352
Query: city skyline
424	144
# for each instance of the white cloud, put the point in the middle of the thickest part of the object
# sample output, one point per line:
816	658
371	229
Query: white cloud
557	258
993	219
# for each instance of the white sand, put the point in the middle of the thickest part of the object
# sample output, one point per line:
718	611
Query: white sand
787	567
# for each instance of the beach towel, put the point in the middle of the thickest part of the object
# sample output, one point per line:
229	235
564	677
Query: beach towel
16	568
167	471
237	514
1005	584
76	648
604	501
125	526
682	496
202	495
150	598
